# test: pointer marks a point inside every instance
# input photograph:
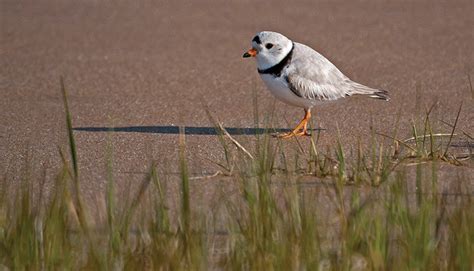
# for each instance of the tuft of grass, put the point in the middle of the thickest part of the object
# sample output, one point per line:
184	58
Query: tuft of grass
429	145
345	209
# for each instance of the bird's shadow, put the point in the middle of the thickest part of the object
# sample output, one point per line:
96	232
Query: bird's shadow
188	130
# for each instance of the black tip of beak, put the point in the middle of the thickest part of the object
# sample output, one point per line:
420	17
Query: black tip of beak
246	55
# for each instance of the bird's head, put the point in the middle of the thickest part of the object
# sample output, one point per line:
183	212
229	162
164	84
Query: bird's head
269	48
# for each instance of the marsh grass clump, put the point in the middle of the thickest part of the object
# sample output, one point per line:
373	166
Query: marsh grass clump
377	207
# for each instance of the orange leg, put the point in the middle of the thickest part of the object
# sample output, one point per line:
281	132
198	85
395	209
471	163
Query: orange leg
301	129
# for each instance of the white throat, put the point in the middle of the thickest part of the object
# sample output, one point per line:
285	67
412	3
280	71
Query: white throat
267	60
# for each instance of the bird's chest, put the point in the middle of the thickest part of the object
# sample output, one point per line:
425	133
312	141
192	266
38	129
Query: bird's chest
278	86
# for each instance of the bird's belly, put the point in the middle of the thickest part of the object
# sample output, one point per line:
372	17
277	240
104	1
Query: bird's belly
279	88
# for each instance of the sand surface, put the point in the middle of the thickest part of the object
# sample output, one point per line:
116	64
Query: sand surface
151	66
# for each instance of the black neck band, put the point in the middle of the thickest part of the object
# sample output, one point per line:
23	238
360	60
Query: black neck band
275	70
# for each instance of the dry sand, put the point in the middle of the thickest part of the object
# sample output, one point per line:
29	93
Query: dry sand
150	66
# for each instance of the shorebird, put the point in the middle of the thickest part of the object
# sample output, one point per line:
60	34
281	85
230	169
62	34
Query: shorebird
298	75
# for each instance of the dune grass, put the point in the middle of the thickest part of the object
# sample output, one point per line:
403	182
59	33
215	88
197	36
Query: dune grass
378	216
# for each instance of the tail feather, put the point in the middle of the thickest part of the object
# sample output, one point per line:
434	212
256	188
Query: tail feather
380	94
371	92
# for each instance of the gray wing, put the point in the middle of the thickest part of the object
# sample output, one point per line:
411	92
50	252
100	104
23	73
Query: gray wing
312	76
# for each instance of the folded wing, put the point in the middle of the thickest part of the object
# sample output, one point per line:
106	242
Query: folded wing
314	77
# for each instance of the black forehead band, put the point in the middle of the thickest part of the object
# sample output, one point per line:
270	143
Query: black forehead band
257	40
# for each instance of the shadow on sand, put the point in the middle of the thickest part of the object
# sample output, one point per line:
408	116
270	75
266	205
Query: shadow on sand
188	130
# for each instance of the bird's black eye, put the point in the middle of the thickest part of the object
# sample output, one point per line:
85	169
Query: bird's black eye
268	46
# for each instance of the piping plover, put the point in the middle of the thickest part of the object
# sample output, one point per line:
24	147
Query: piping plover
298	75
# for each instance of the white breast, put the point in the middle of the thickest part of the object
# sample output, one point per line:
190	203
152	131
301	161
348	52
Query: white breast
279	88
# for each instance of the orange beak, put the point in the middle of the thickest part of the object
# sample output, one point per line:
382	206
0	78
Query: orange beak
250	53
